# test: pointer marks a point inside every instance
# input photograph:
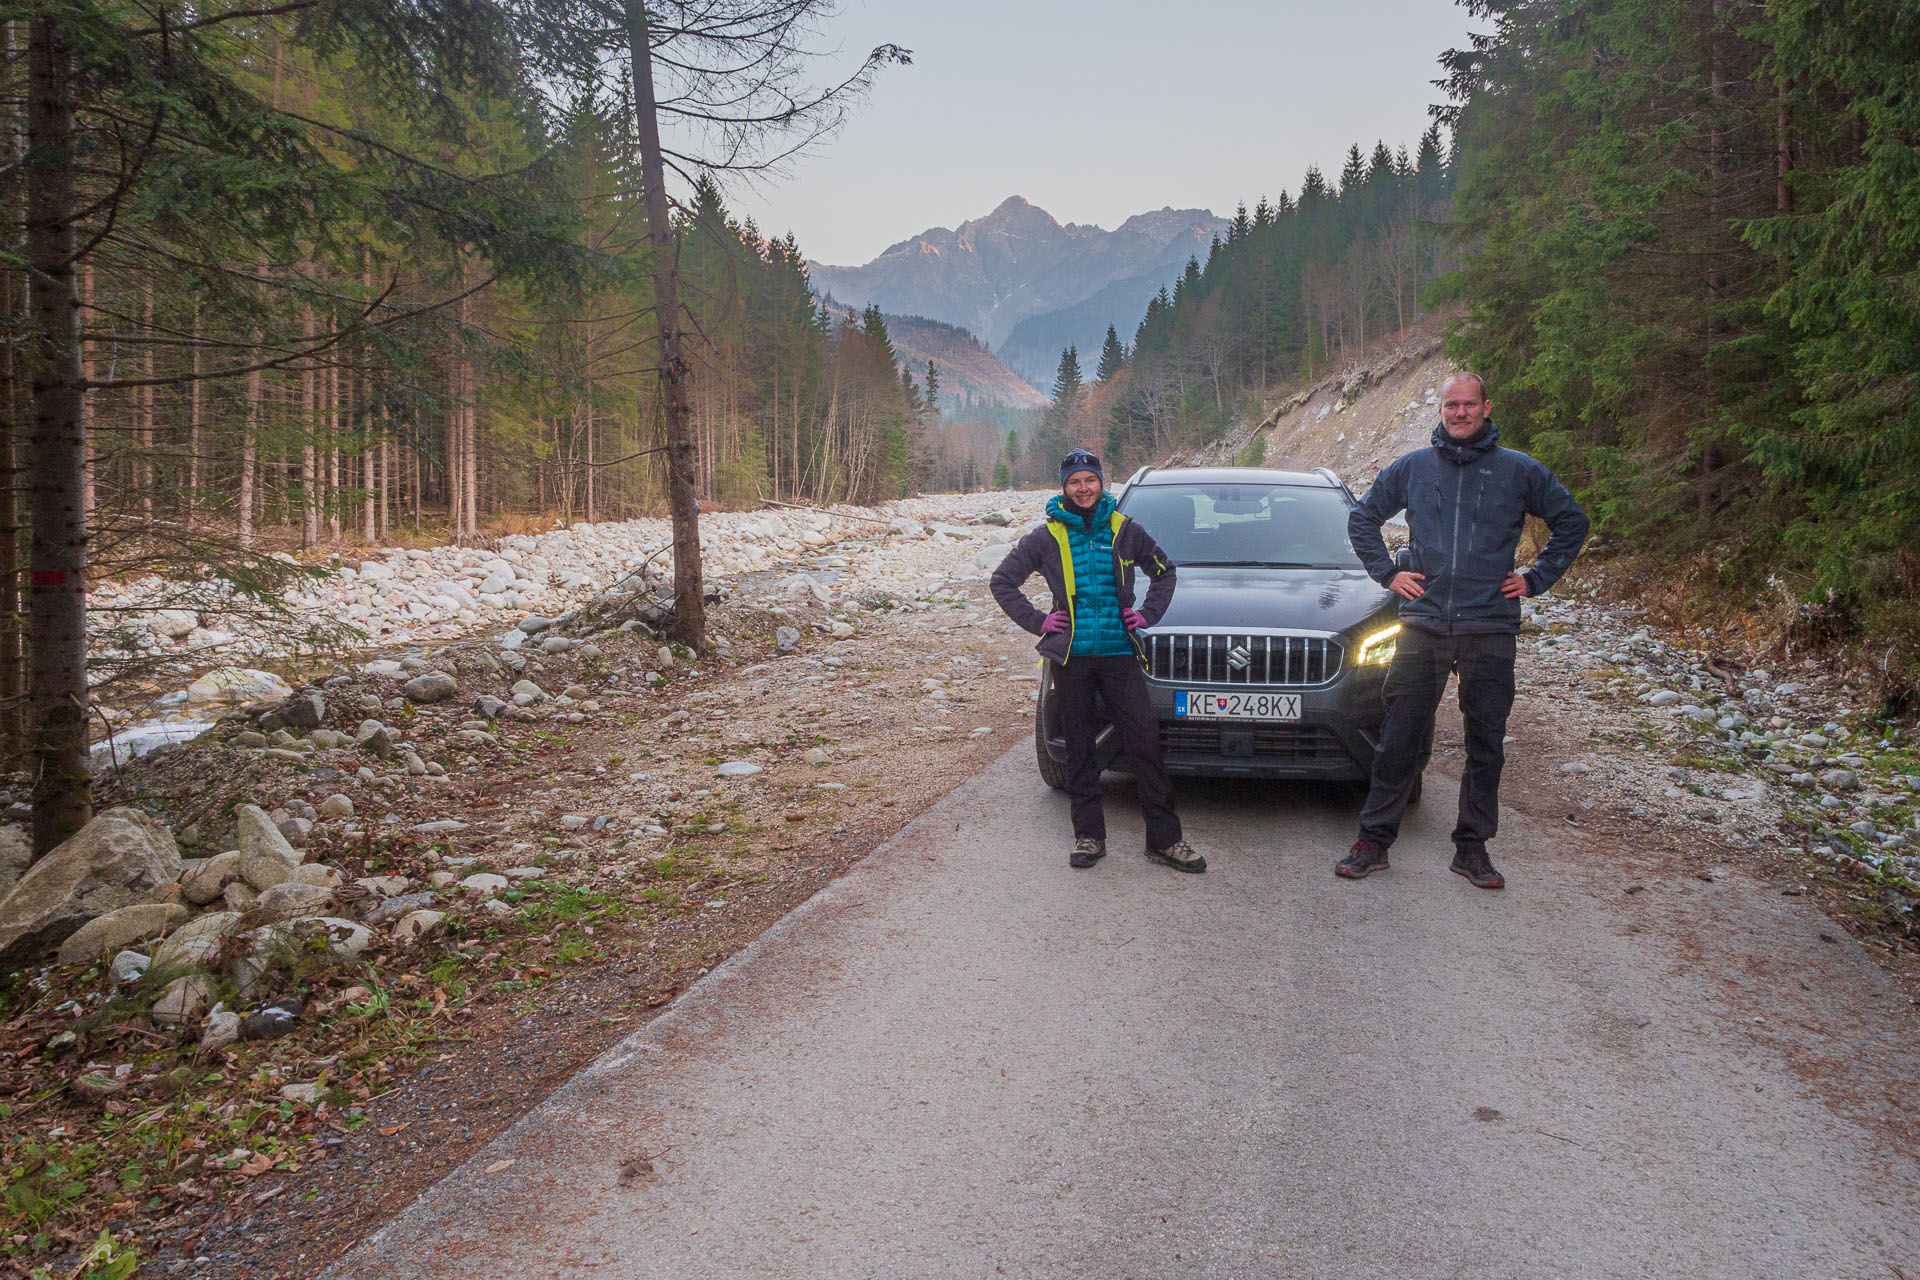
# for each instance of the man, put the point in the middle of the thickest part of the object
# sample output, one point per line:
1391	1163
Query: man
1467	500
1087	552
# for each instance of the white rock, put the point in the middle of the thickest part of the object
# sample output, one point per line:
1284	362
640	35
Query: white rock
235	685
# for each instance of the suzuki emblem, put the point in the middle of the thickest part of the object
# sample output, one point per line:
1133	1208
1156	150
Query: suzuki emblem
1239	658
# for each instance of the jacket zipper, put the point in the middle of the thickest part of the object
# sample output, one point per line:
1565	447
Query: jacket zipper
1453	569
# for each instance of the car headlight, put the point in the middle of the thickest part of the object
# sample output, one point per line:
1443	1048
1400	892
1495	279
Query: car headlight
1377	649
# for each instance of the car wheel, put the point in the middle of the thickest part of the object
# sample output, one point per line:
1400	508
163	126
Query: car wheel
1052	772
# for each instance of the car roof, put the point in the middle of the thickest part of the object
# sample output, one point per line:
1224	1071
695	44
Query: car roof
1236	475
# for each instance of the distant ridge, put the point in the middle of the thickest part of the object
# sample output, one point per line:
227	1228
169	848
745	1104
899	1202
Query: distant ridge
989	274
966	367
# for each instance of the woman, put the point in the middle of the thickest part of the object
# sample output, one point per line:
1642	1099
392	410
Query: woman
1087	553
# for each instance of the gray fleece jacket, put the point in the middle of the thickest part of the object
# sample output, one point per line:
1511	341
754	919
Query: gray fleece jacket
1466	503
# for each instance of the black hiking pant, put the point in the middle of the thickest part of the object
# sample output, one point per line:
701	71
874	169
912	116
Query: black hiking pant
1416	681
1123	686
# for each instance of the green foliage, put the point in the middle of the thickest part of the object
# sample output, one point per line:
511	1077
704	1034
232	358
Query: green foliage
1295	285
1691	261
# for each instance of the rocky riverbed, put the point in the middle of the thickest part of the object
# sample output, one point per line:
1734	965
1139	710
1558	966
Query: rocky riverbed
225	654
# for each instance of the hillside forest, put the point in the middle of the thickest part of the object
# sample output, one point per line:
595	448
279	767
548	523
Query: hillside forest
1682	241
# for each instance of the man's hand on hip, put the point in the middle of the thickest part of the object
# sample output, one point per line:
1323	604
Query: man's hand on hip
1406	584
1133	619
1514	587
1054	623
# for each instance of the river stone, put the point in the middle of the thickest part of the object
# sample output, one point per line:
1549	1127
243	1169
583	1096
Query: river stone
129	966
1839	779
286	900
488	707
394	907
416	925
317	873
197	941
116	860
235	685
304	1094
336	805
116	929
239	896
302	711
434	686
204	882
738	769
785	639
222	1029
484	882
185	1000
173	624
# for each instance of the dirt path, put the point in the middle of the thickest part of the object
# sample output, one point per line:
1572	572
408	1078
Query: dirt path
964	1058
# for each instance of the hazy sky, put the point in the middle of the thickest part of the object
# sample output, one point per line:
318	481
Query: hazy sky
1097	111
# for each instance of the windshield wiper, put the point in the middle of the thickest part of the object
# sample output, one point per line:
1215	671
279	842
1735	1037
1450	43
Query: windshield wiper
1252	564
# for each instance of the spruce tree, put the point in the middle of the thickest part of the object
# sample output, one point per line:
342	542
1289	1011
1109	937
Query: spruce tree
1113	356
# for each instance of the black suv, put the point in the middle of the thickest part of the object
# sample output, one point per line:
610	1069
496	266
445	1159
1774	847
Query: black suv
1270	662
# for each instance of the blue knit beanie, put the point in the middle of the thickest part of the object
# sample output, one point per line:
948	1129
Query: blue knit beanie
1080	460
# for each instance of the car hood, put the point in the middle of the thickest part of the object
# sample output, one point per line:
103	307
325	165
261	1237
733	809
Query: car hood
1306	599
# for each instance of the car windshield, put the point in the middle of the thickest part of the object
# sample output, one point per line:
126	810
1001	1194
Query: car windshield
1250	525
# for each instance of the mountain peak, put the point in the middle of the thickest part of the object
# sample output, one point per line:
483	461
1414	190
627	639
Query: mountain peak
990	273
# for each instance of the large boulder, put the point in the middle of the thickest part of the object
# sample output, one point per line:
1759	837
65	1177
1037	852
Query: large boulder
116	860
206	881
116	929
434	686
266	858
286	900
235	685
16	851
196	942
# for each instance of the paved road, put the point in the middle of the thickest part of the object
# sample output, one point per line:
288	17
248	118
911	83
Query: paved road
965	1060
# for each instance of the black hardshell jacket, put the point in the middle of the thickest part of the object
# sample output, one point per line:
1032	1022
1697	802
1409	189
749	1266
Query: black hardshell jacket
1466	503
1044	551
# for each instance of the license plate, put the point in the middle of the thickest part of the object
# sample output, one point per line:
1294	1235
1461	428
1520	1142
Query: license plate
1196	705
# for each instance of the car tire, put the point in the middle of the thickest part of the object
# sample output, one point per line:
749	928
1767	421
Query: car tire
1052	772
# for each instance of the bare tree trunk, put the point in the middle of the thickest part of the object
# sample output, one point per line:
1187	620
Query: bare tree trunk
15	411
57	619
249	460
689	609
143	399
12	679
309	452
333	449
389	494
194	405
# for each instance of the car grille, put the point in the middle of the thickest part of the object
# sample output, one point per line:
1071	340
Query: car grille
1271	661
1302	742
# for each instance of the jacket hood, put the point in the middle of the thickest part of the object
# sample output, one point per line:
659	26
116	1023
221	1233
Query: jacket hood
1461	452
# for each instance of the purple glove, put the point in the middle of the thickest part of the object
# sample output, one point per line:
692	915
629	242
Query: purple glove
1133	618
1055	623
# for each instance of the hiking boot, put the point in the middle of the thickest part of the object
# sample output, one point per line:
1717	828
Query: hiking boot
1180	856
1086	852
1365	858
1472	862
